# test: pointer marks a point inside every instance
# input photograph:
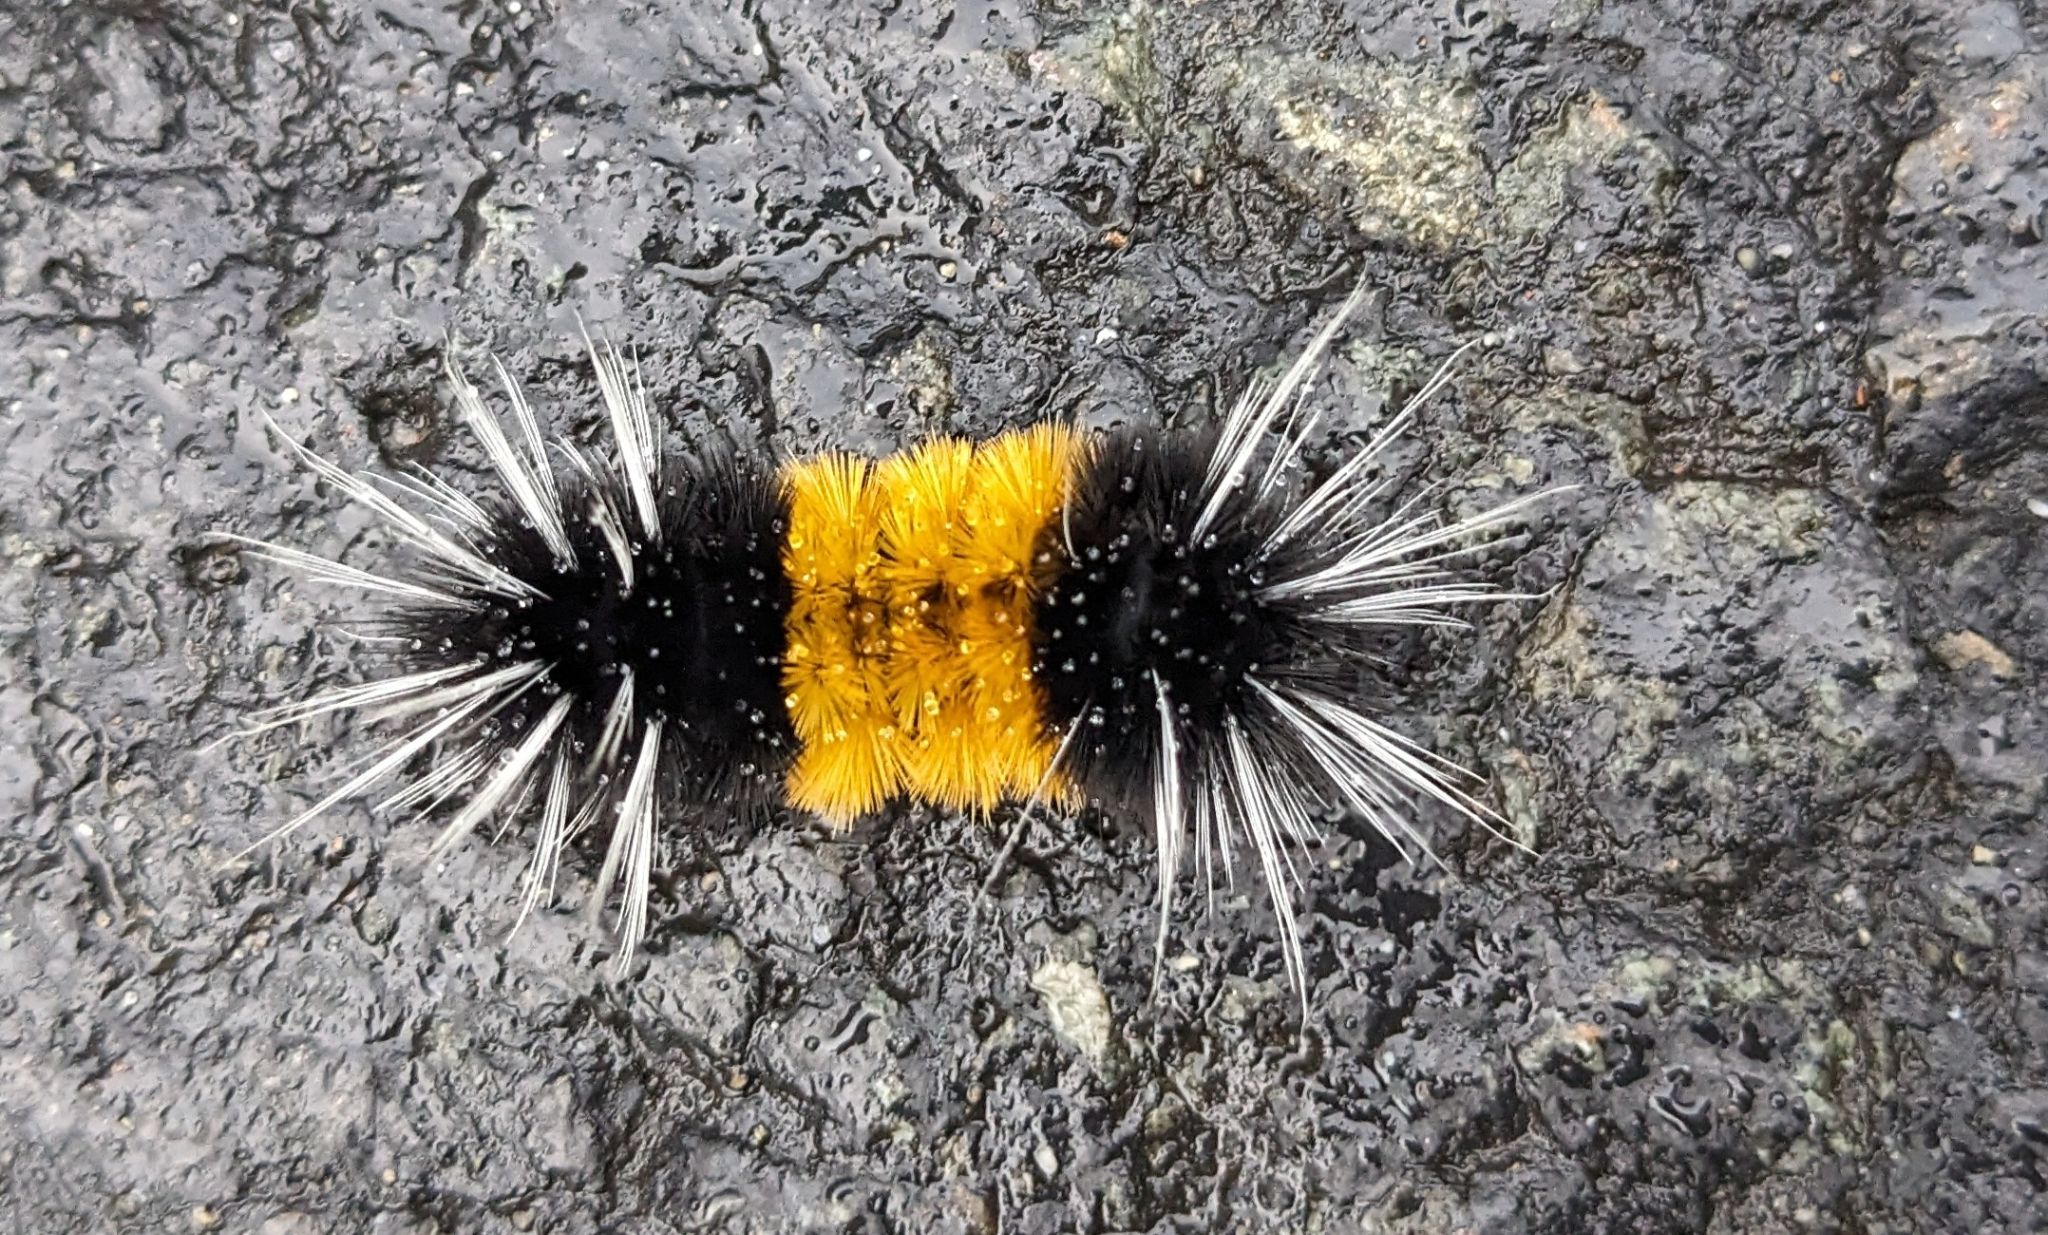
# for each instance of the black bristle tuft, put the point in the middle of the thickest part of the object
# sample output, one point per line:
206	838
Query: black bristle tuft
700	628
1136	605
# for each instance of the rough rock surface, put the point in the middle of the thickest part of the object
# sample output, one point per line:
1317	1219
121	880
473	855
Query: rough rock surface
1768	284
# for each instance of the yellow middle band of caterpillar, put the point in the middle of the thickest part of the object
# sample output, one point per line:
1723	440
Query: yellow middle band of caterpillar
908	663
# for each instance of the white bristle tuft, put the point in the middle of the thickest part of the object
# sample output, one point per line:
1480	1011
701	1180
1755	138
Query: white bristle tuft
1398	570
625	399
486	775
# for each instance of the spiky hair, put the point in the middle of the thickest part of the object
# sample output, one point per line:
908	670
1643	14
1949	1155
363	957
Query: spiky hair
1180	625
1212	637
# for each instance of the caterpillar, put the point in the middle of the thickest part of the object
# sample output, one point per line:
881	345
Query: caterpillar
1180	627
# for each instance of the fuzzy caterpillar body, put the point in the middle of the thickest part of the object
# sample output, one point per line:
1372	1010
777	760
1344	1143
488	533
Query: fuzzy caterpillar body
909	664
1177	625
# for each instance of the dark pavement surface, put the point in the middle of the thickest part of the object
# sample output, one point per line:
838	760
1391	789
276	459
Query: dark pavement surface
1767	281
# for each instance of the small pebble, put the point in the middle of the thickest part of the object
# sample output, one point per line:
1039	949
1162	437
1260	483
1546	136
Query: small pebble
1048	1161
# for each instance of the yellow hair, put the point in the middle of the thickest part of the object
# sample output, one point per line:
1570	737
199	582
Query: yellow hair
908	663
